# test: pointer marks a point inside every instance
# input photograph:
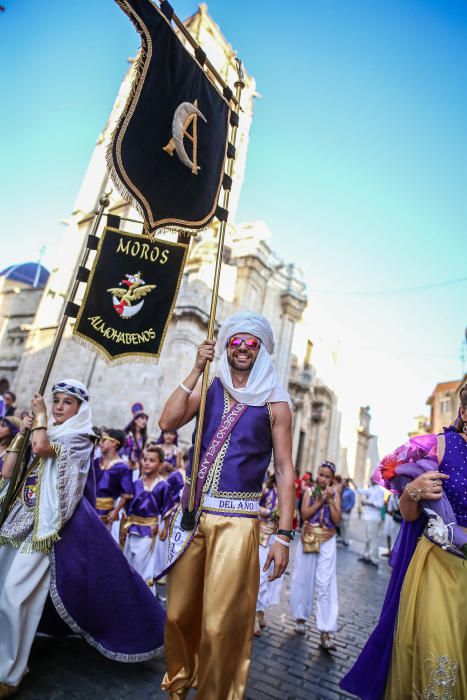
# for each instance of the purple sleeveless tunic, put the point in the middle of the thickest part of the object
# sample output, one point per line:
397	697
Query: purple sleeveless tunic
147	504
326	517
367	678
241	472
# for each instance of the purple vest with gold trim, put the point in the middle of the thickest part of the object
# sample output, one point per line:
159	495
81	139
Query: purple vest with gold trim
242	463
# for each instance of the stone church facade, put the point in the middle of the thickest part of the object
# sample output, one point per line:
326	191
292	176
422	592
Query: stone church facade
253	277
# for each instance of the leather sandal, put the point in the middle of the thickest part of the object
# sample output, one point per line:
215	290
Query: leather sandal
326	642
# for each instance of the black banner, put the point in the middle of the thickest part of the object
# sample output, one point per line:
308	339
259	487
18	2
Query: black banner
168	150
130	296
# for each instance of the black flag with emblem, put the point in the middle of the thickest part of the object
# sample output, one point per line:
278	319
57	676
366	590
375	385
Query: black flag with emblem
130	296
168	150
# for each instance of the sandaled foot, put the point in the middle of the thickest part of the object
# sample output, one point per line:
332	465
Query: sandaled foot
261	620
257	627
326	642
299	626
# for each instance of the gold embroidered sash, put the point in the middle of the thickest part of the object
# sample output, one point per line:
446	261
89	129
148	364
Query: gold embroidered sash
104	503
147	521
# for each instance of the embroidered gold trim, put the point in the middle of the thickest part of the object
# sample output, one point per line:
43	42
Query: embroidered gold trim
136	357
219	463
126	188
105	467
43	544
237	511
443	680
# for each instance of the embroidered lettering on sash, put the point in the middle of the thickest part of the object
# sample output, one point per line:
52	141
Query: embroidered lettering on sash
208	459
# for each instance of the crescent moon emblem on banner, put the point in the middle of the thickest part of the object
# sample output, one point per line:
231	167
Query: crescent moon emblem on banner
185	114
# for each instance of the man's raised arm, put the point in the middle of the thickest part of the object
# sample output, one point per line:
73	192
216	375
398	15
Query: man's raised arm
182	405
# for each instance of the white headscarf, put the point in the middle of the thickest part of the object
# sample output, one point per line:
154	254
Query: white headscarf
262	385
49	515
81	422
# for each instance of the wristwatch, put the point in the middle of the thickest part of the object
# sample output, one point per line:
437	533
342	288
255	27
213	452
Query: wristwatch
288	533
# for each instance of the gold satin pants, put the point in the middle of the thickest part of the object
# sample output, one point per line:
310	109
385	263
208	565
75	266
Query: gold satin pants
211	602
429	654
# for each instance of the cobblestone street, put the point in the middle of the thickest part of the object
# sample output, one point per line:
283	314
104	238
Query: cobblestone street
284	665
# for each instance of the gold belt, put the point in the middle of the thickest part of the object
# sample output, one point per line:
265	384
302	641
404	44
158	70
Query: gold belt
104	503
313	536
139	520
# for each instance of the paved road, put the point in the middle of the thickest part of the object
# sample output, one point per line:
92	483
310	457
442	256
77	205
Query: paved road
284	665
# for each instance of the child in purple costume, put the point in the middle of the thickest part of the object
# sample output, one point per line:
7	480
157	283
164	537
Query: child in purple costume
151	501
58	563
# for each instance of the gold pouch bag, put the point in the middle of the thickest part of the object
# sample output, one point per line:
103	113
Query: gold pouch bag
313	535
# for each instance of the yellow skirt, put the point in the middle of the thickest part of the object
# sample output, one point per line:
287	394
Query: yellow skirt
429	654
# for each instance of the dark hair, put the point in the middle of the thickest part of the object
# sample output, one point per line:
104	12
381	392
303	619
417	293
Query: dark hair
131	428
329	465
459	422
10	393
156	450
160	439
115	434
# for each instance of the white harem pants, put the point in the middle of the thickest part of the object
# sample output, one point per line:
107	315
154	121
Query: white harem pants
139	552
315	571
24	585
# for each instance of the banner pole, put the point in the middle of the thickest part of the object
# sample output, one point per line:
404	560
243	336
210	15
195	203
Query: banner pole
189	515
15	480
193	43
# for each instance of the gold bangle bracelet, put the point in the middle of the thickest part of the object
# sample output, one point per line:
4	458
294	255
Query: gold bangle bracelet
40	421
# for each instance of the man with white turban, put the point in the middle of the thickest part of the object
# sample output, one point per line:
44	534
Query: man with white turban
214	569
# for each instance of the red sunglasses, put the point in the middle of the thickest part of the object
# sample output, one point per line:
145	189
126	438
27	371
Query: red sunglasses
251	343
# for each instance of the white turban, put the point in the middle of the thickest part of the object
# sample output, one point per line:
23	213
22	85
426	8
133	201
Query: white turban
262	385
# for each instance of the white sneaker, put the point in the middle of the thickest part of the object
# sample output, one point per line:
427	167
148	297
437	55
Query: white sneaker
299	626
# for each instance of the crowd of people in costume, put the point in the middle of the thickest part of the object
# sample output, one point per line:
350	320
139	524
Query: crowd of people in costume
94	499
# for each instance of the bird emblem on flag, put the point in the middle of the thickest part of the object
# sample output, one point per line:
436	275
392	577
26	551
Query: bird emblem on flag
132	289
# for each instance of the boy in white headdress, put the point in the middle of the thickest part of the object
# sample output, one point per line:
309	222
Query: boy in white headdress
213	585
53	543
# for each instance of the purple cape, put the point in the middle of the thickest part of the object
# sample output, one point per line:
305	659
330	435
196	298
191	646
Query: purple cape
97	593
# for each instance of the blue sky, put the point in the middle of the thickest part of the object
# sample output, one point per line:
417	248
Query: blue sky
357	162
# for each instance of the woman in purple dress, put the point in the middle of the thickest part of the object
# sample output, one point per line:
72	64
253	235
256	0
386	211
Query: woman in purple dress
136	435
58	563
419	647
168	440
